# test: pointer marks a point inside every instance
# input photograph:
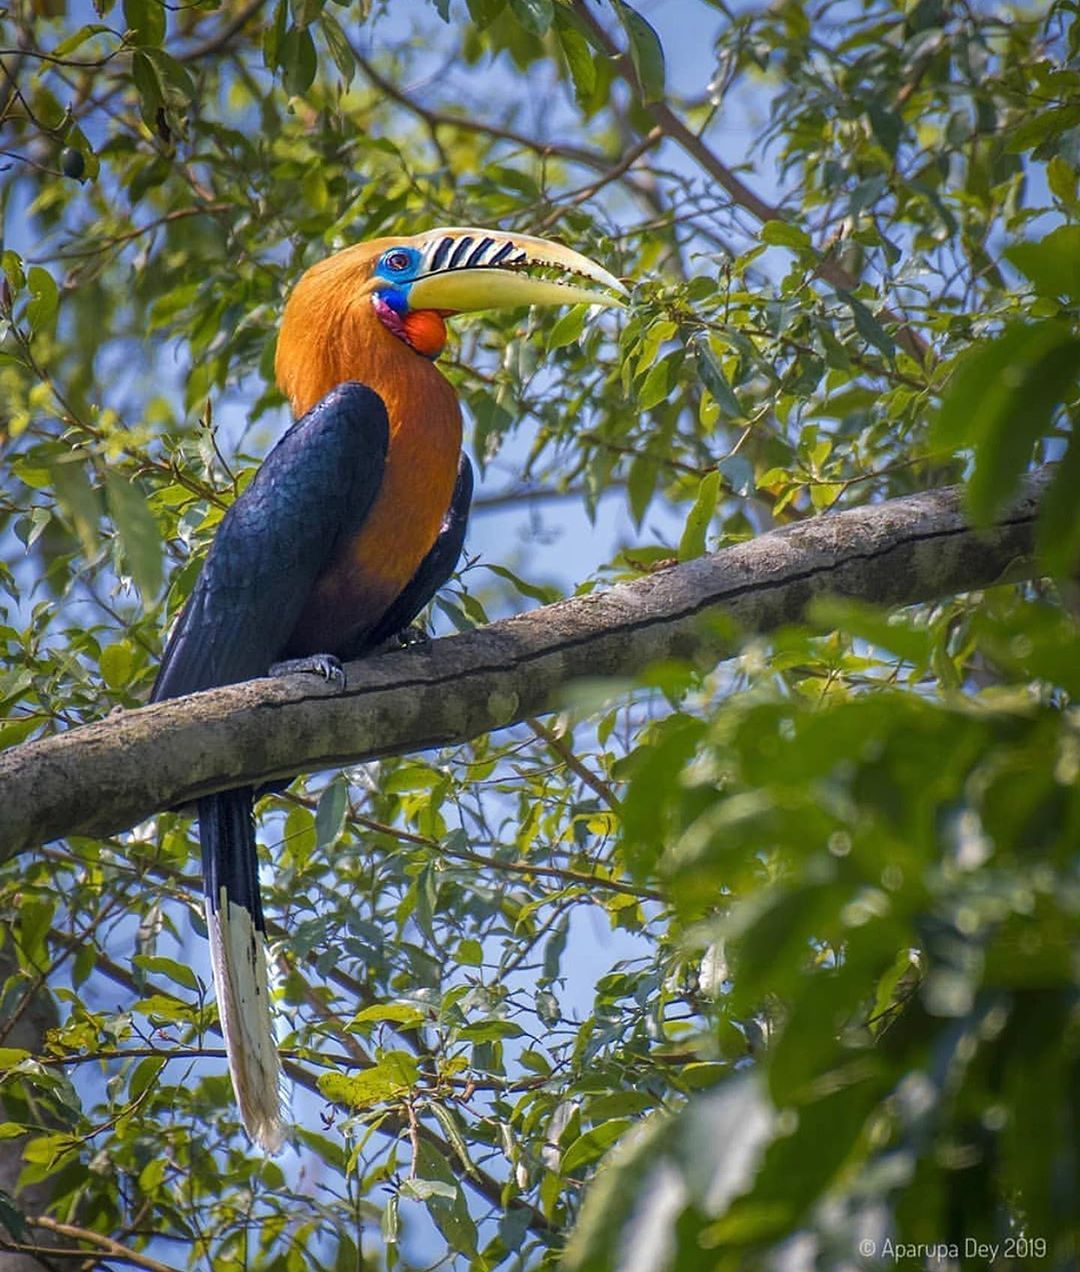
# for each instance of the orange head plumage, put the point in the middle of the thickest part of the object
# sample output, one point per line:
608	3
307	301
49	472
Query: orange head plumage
374	312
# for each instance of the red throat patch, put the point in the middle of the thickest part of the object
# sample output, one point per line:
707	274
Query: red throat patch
425	331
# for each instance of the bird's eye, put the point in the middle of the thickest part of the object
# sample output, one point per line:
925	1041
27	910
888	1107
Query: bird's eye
398	261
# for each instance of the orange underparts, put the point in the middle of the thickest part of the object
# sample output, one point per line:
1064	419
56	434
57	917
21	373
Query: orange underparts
426	331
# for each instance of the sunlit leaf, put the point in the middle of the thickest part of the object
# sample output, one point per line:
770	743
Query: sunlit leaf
695	532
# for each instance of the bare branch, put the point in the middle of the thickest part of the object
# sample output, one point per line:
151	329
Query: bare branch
113	1250
106	776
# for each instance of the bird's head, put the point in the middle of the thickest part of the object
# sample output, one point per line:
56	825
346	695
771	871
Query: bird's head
411	284
417	282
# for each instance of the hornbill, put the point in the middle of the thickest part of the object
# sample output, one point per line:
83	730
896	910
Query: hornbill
352	523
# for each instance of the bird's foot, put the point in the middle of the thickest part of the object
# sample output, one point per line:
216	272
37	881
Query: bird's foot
324	665
410	637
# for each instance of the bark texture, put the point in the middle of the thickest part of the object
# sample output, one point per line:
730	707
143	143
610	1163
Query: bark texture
104	777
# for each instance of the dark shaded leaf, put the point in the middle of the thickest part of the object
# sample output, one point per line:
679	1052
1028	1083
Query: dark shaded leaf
298	61
713	378
646	52
139	535
338	44
535	16
1001	399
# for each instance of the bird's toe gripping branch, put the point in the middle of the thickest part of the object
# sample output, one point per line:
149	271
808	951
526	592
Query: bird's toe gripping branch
325	665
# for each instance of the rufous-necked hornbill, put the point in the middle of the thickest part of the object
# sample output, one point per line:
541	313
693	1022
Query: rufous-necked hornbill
355	519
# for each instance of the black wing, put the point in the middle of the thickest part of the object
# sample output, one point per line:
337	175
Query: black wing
434	569
315	486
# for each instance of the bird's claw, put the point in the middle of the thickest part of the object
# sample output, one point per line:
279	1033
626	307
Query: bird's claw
412	636
325	665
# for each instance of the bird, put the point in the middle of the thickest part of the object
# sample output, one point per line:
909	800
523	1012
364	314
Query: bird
351	524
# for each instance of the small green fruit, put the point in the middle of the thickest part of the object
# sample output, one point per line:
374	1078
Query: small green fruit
72	163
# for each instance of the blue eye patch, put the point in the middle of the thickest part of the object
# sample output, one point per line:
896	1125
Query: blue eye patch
399	265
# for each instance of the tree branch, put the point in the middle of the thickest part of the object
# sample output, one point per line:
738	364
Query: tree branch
106	776
112	1249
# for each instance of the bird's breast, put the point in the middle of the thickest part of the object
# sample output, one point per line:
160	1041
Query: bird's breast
370	569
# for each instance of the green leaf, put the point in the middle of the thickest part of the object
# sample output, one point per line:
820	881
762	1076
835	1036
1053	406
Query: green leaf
35	920
452	1130
1059	515
74	41
646	52
330	814
16	730
148	84
304	12
568	328
1052	264
484	12
868	326
116	663
44	301
798	1168
298	60
1001	398
273	41
534	15
856	618
393	1076
158	965
534	591
888	126
79	500
11	1216
13	270
692	543
338	44
449	1211
580	60
423	1189
144	1075
1061	177
656	385
177	85
712	376
145	20
640	484
138	532
397	1013
1037	129
738	475
670	1178
163	1007
588	1147
490	1031
785	234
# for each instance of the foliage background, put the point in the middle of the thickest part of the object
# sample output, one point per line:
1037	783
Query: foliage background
785	952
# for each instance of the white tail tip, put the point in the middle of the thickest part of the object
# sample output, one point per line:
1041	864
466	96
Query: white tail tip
238	957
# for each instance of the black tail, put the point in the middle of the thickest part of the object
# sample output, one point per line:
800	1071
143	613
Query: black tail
237	954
